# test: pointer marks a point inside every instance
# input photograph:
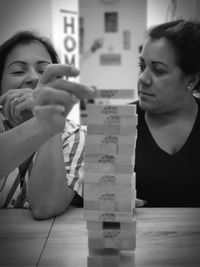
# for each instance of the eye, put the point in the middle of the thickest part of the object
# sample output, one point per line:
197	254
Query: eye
41	71
141	66
158	71
41	67
17	69
18	72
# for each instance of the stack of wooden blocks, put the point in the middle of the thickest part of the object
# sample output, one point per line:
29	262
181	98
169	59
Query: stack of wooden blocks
109	180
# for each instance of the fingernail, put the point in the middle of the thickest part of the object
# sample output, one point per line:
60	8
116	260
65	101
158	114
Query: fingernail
75	70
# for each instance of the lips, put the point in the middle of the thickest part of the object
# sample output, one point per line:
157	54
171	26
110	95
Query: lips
145	93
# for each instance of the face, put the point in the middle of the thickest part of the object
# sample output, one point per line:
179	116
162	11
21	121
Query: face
24	66
161	83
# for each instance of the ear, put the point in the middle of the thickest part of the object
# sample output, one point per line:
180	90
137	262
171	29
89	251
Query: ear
193	81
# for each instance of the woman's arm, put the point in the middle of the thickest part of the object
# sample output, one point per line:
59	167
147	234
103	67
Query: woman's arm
19	143
48	191
55	175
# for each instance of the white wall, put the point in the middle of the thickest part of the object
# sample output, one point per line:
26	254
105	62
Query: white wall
132	17
156	11
159	11
18	15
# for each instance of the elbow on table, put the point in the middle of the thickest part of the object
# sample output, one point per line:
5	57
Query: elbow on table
47	208
38	214
44	213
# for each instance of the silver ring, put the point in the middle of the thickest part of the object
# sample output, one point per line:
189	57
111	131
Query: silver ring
17	100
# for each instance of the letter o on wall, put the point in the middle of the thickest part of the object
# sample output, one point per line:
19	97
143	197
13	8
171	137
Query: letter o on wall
69	43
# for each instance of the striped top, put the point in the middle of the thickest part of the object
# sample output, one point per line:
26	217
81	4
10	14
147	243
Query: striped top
73	137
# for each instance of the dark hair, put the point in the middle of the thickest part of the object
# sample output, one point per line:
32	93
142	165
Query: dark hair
184	36
25	37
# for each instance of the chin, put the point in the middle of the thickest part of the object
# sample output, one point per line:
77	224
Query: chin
145	105
149	107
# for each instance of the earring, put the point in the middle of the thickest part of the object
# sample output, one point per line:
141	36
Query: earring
189	87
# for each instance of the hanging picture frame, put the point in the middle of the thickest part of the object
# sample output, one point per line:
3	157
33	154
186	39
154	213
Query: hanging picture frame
111	22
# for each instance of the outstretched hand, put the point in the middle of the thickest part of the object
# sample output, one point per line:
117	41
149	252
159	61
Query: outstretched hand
55	96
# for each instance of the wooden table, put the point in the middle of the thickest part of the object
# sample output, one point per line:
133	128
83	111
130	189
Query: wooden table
22	239
166	237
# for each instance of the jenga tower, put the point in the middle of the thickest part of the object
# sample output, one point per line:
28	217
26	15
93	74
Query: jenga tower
109	179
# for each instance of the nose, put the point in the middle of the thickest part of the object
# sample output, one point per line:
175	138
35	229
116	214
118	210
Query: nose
32	78
145	77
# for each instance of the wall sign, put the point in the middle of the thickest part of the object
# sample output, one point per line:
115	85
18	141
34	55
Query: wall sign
110	59
69	44
65	36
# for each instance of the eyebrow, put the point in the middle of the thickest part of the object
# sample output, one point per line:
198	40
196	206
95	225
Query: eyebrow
154	62
24	63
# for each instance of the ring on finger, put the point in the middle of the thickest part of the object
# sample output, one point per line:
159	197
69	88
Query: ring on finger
17	100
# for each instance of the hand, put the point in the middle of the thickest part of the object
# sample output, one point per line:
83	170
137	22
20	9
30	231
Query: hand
140	202
17	105
54	96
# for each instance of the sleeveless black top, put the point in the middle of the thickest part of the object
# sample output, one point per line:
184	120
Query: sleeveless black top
165	180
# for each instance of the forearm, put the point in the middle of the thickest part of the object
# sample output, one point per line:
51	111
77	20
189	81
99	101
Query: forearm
48	190
19	143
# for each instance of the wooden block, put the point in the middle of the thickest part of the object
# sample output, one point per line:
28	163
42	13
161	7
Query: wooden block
118	189
114	93
112	239
106	158
98	258
110	139
110	206
110	149
118	193
109	168
128	226
122	110
103	258
95	243
111	129
91	189
108	243
107	216
109	178
117	120
125	204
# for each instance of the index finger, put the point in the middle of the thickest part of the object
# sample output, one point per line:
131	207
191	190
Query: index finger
52	71
79	90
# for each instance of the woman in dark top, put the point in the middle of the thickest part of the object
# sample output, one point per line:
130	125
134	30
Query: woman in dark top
167	166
